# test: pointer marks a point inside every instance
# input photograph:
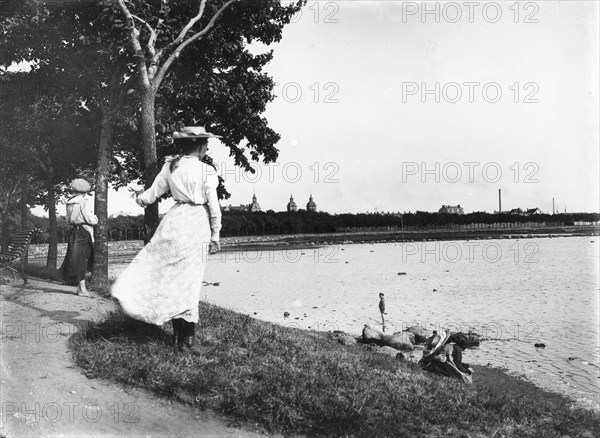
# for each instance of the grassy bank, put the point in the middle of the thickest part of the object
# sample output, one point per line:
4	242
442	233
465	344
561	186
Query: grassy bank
297	383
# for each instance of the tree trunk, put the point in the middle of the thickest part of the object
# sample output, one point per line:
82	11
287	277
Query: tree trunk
24	206
24	211
52	227
105	145
150	165
5	231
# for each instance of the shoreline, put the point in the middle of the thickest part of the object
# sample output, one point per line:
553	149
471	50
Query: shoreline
125	248
305	241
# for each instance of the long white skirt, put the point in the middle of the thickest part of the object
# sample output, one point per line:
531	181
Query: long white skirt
165	279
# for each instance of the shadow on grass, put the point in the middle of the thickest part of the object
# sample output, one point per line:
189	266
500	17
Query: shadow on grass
124	329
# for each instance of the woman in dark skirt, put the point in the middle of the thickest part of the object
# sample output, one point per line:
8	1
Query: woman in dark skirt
80	255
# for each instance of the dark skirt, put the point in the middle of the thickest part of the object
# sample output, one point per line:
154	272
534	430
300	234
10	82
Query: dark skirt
80	256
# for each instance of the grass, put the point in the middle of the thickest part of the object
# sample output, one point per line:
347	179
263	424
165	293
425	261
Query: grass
299	383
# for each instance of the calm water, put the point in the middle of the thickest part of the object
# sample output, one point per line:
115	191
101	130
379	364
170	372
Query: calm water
515	292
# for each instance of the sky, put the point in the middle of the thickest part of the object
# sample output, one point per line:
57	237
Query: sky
405	106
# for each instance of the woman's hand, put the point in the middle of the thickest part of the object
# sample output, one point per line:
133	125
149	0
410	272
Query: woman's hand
140	202
213	247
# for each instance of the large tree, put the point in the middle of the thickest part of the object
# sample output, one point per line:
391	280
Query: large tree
205	45
69	49
45	139
174	62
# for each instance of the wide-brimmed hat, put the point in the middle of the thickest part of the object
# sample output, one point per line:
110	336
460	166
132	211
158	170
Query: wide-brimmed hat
81	185
193	132
432	346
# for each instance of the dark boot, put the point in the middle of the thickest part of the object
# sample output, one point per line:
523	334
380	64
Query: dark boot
177	326
188	338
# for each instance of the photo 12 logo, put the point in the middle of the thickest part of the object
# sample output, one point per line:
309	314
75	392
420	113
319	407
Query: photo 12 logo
470	171
471	92
316	92
35	332
470	12
325	12
469	251
290	172
54	412
325	254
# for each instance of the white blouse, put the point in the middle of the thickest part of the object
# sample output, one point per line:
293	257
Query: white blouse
79	211
192	181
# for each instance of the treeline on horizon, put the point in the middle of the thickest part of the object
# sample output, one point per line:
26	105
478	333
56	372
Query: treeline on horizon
238	223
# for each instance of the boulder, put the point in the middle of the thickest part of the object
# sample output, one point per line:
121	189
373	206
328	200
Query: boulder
389	351
372	334
346	339
420	334
399	341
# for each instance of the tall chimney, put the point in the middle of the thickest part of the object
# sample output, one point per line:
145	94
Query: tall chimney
553	210
499	200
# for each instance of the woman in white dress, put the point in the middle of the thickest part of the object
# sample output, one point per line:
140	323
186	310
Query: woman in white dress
165	279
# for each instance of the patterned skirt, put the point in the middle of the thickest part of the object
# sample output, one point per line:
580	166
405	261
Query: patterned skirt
164	281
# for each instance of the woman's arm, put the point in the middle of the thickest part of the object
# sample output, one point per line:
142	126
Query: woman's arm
89	217
210	191
160	186
457	358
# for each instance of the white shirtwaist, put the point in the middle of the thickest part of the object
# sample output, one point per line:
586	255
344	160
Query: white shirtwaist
165	279
79	212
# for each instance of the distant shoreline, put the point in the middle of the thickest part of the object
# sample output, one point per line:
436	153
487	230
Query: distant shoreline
125	248
311	240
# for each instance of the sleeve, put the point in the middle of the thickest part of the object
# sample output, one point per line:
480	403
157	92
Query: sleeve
160	186
210	192
86	211
457	358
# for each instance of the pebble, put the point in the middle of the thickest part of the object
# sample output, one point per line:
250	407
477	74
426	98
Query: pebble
539	345
72	392
286	314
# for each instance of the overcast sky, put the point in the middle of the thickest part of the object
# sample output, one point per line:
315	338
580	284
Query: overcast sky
382	105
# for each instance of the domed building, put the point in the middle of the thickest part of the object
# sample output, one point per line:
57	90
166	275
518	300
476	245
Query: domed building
292	205
311	206
254	206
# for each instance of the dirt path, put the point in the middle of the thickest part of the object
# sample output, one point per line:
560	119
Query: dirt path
42	393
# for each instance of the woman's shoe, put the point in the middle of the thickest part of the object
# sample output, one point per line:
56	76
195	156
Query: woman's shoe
176	323
188	346
188	338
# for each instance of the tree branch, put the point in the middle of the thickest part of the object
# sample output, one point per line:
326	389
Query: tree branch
134	36
191	23
165	67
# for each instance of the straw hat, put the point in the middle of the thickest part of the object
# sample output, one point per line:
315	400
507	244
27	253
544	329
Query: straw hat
193	132
80	185
435	343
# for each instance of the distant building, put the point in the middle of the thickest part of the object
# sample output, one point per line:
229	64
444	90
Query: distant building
311	206
516	212
254	206
230	207
243	207
451	209
292	205
532	211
